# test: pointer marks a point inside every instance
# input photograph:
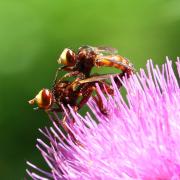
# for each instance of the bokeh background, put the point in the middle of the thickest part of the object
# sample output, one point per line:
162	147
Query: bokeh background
32	35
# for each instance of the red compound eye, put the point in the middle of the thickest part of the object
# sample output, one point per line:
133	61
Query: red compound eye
67	58
46	99
71	58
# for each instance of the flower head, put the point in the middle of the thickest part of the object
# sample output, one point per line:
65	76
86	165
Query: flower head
139	139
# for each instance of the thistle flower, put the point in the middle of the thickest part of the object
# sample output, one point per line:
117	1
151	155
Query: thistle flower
139	139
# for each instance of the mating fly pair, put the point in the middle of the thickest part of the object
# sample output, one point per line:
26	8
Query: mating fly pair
79	65
76	93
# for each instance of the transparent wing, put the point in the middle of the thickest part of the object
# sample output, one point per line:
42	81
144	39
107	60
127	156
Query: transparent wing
97	78
103	50
106	50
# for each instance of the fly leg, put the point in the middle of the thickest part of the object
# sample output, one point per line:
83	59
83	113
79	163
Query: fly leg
69	132
118	78
54	109
99	103
74	73
127	73
66	68
106	88
87	92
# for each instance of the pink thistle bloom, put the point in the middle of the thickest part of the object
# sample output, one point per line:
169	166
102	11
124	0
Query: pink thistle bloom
139	139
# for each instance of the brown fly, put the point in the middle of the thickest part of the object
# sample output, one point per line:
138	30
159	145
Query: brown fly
68	93
81	63
75	94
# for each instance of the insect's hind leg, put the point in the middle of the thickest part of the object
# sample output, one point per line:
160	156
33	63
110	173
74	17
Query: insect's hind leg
86	92
99	102
69	132
127	73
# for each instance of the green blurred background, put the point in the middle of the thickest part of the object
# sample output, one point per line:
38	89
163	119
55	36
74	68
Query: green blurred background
34	32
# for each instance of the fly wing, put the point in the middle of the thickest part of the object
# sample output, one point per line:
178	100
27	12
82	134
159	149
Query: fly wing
97	78
103	50
106	50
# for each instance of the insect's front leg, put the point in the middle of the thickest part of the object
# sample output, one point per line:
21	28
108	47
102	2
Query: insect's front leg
66	68
75	83
56	75
99	103
74	73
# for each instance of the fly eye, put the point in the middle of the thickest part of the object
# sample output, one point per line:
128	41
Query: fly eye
44	99
67	57
71	57
62	59
46	96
